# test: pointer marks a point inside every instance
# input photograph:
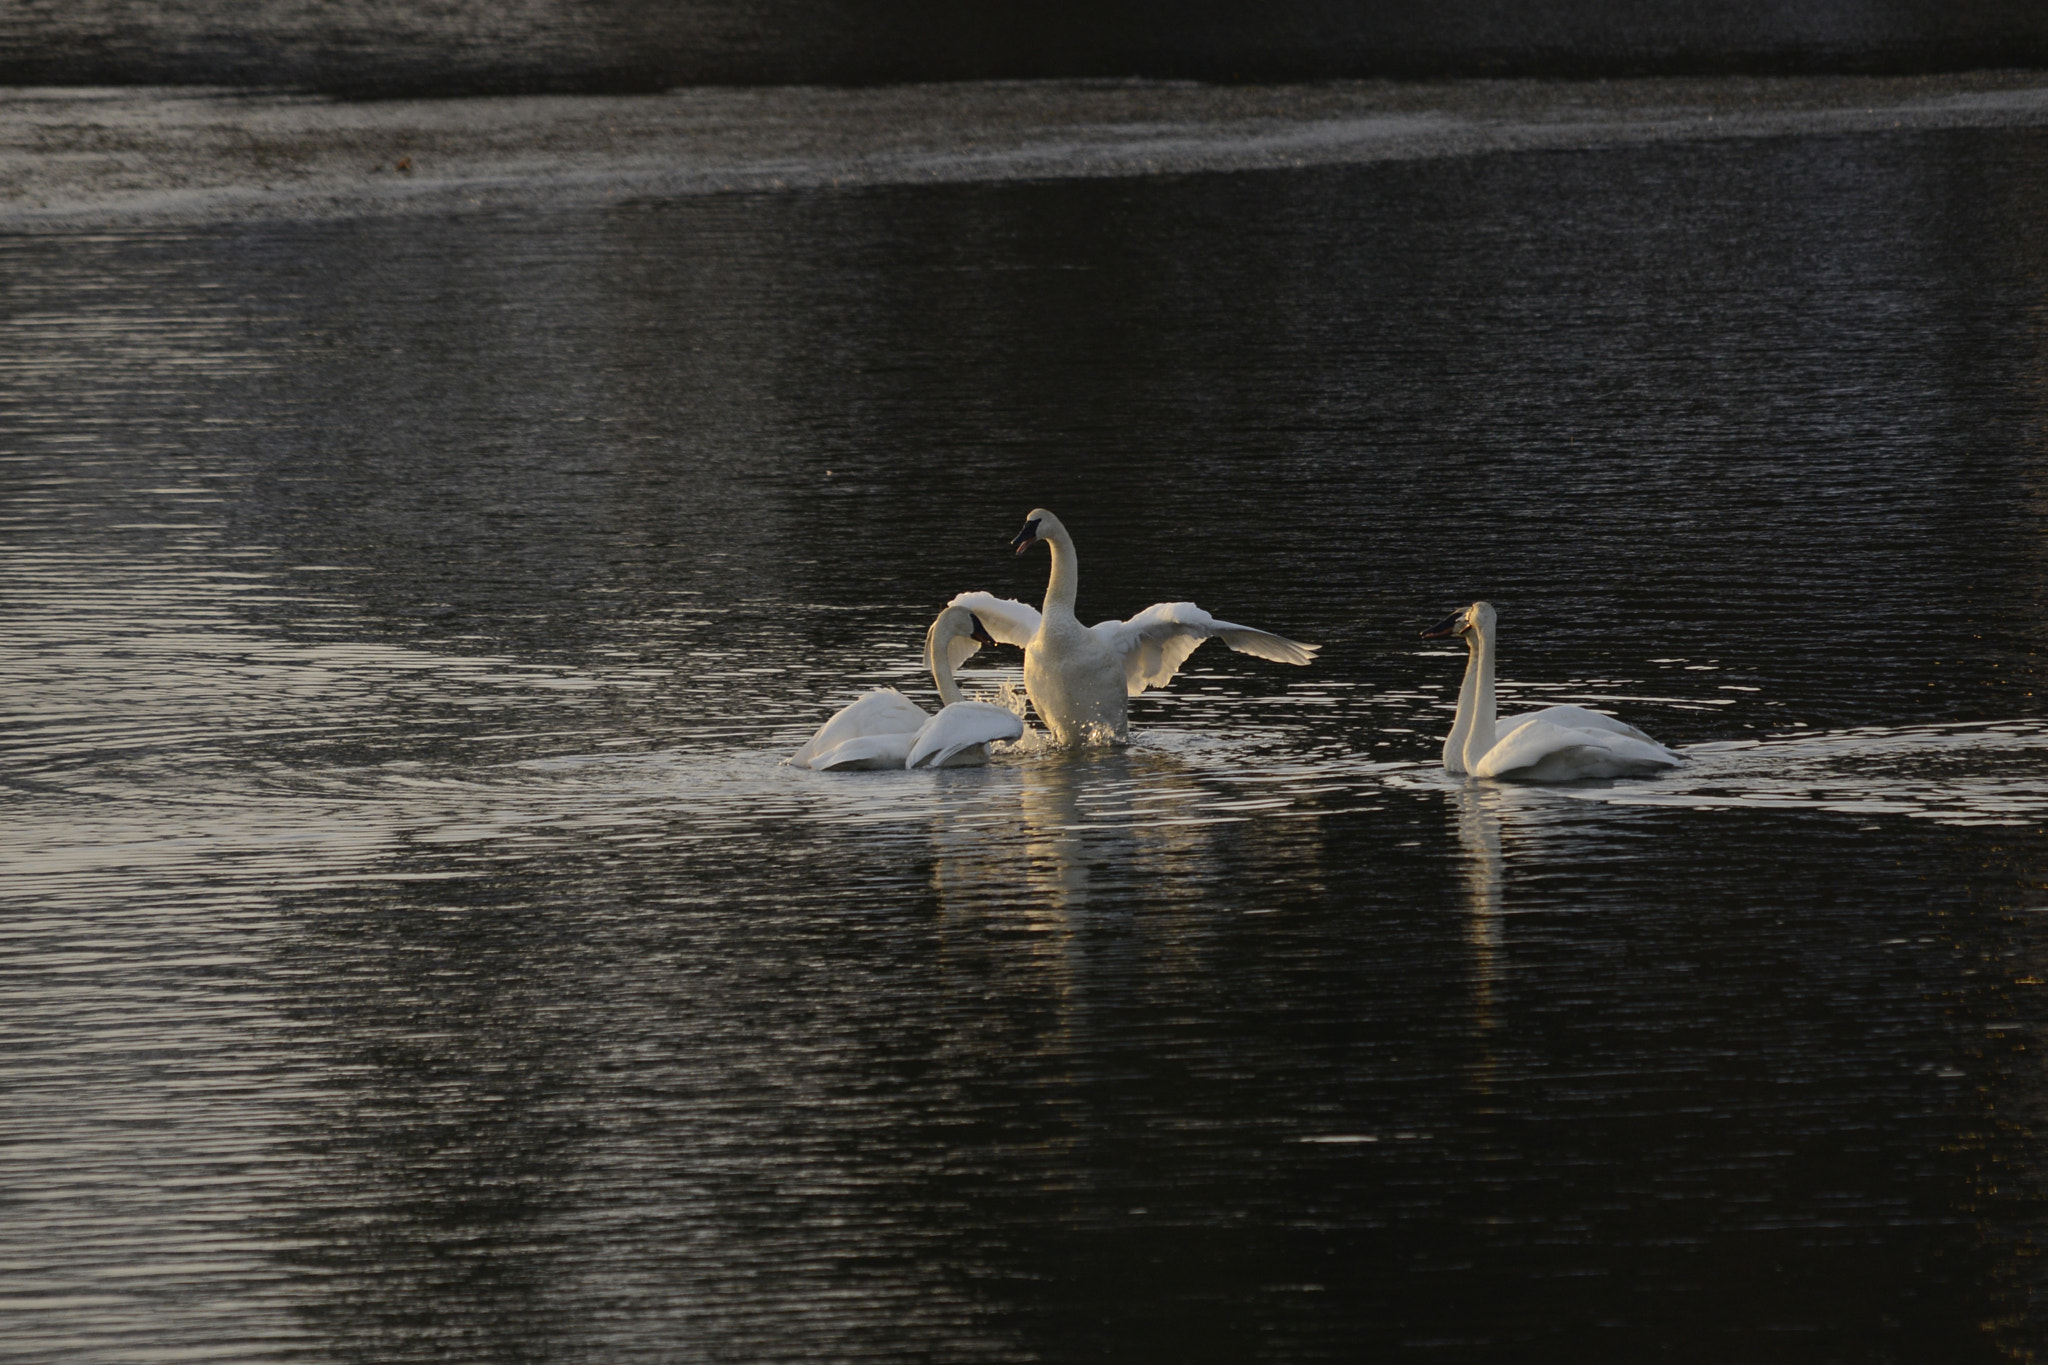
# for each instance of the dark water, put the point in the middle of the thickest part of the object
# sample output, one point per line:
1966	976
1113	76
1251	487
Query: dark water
386	47
414	950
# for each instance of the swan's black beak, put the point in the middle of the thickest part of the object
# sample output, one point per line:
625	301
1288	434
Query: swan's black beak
1454	624
1026	536
980	633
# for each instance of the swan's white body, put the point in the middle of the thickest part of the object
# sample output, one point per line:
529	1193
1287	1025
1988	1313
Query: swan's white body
875	730
1556	744
885	729
1080	678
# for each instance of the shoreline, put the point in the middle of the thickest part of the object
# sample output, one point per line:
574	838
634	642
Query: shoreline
81	159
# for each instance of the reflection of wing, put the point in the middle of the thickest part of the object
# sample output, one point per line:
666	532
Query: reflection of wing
1007	622
865	751
882	712
963	725
1540	750
1157	641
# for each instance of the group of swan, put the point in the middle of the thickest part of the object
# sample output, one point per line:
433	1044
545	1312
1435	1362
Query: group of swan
1080	679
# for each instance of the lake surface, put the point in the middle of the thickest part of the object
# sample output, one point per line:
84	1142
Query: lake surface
414	948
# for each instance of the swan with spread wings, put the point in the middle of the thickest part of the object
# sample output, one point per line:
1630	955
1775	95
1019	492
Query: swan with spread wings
1080	678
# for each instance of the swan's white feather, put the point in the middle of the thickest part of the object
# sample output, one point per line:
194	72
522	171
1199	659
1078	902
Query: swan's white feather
1571	718
961	731
1539	750
1158	640
864	752
1007	622
1264	644
884	711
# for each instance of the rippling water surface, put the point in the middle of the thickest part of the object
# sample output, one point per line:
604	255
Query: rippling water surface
415	948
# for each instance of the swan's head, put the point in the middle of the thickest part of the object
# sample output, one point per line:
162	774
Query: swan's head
951	641
1038	524
955	623
1478	616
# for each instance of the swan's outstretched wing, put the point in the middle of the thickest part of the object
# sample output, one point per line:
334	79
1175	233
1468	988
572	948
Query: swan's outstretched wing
865	752
1007	622
1157	641
882	712
963	725
1540	750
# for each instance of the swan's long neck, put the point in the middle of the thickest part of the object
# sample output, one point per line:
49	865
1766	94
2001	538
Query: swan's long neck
1066	571
1461	725
1472	733
942	678
935	648
1478	695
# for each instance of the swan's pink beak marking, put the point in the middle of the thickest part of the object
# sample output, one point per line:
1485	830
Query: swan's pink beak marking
1026	536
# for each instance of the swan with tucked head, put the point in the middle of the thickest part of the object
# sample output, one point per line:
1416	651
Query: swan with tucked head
885	729
1556	744
1080	678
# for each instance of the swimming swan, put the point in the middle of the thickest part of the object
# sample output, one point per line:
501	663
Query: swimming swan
1080	677
885	729
1556	744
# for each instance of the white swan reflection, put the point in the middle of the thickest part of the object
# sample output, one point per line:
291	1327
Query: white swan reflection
1476	815
1089	830
1059	904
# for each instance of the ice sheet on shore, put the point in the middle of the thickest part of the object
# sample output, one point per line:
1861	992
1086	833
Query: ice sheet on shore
77	158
